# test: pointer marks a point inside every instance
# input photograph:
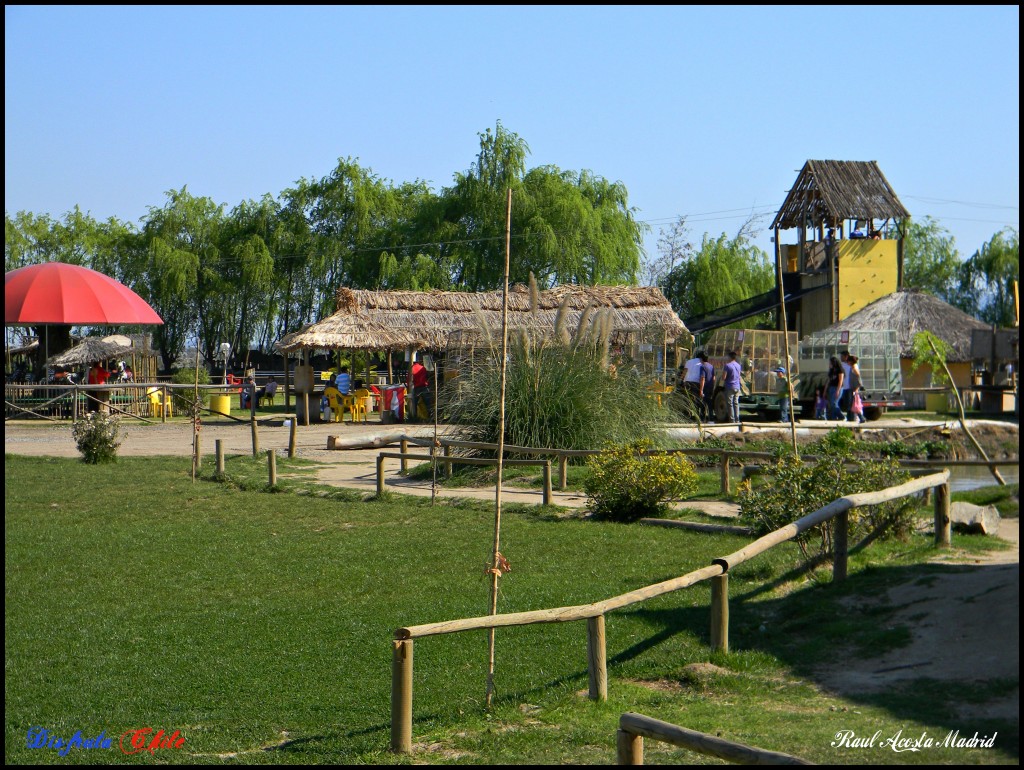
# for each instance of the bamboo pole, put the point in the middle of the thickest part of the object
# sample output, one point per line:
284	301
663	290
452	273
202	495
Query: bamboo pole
433	448
720	612
401	696
495	554
195	418
963	417
785	342
597	659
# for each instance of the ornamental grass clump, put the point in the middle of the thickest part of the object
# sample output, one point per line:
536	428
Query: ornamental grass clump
560	392
625	484
97	437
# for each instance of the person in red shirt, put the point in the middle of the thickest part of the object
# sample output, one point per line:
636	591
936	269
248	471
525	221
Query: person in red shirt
420	389
97	376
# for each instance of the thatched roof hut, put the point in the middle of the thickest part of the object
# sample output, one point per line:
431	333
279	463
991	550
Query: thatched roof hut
910	312
827	192
393	320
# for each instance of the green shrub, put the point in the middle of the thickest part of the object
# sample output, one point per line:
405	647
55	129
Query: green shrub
97	437
184	400
626	485
837	441
791	489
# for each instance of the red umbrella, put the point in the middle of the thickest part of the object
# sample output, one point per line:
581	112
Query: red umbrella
58	293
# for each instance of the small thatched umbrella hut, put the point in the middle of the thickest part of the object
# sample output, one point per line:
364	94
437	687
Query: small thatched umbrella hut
909	312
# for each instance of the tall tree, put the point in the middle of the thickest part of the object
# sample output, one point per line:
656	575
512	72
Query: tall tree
987	278
931	261
722	271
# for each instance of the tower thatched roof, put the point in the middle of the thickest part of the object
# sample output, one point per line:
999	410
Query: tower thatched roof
910	312
392	320
830	191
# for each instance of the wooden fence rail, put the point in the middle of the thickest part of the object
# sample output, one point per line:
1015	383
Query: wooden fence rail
633	728
449	460
402	647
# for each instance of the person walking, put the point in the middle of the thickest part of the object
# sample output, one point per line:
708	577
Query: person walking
845	395
732	385
834	389
782	389
707	388
856	384
692	384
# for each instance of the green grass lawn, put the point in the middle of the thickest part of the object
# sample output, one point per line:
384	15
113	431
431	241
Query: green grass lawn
259	625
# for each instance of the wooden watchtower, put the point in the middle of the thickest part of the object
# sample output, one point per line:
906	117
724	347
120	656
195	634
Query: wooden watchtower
848	248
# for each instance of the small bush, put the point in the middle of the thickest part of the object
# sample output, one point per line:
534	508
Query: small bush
626	485
97	437
184	400
792	489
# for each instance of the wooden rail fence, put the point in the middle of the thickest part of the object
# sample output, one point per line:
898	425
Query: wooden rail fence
402	645
633	728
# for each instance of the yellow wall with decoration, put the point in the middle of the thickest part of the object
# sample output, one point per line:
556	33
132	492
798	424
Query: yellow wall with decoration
867	271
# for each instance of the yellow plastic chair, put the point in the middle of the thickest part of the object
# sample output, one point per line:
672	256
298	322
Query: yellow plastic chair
337	407
356	404
156	403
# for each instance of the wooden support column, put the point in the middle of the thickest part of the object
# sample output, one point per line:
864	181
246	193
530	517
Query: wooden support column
404	449
840	546
291	435
629	748
447	466
401	696
726	490
563	472
220	458
272	467
380	475
597	659
720	613
547	482
942	516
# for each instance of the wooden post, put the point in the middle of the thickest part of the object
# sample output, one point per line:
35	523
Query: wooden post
74	404
629	748
720	612
380	474
305	421
272	466
447	465
163	409
401	696
597	659
291	435
220	457
199	452
926	496
563	472
840	546
404	450
725	474
547	482
255	436
942	516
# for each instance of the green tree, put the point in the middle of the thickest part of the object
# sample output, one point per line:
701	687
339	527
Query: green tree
987	278
722	271
931	261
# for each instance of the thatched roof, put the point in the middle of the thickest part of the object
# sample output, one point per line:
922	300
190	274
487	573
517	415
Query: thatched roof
392	320
827	192
910	312
93	349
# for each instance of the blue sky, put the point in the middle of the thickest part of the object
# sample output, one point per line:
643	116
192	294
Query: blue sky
707	112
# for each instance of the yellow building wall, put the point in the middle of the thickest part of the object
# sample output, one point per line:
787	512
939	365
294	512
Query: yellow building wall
867	271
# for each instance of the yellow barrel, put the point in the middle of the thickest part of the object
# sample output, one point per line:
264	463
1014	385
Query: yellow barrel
220	403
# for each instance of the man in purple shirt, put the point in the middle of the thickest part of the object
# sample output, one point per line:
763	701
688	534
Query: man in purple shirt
732	386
